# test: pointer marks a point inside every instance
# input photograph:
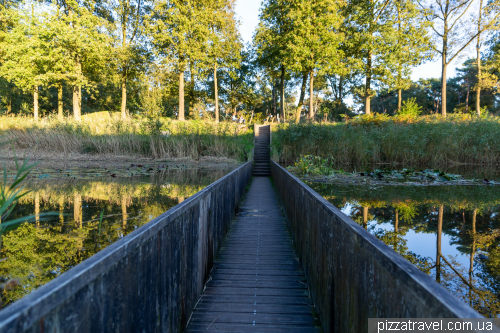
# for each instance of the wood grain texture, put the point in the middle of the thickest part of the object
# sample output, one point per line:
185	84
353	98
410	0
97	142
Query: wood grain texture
257	284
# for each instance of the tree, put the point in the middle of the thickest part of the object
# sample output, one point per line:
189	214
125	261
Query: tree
272	40
300	104
24	59
370	27
132	53
224	45
410	46
487	19
448	19
179	31
316	39
468	78
342	84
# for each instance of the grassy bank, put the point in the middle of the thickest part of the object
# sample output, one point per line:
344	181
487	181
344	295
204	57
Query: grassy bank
424	141
104	133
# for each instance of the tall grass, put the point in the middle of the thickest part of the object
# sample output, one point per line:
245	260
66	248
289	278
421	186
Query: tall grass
424	141
107	134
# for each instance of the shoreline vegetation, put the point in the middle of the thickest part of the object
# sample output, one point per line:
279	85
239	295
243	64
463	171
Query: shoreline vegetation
106	134
425	141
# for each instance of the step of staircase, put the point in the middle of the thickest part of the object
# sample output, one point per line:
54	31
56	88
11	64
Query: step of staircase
261	159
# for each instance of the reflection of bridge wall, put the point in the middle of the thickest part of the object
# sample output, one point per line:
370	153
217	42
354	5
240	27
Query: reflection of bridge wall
353	276
148	281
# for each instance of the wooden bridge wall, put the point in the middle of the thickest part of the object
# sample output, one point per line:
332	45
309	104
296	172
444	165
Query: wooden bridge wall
351	274
149	281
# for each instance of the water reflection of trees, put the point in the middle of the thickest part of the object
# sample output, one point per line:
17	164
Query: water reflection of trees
467	215
36	253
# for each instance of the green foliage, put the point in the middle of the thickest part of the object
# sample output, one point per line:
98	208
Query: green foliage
313	165
425	141
11	191
410	108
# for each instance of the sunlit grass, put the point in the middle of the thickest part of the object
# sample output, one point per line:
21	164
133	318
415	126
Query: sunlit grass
104	133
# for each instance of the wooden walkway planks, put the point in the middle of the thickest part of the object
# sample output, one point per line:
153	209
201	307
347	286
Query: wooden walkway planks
257	285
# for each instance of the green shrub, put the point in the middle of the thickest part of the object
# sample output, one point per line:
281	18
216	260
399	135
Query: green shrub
410	108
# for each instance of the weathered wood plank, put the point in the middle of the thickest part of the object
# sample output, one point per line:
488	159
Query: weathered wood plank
257	299
240	328
260	308
251	316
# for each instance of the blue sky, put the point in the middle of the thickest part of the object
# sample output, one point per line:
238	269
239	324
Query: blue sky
248	13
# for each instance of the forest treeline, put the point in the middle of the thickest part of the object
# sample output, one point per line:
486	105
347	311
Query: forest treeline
187	59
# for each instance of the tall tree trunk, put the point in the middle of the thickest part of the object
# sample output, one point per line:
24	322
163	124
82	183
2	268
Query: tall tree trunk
311	95
190	109
216	95
282	93
60	101
399	99
35	102
77	93
9	104
478	50
181	95
298	111
400	76
444	66
77	90
274	99
124	94
368	92
438	243
467	97
341	87
124	66
443	89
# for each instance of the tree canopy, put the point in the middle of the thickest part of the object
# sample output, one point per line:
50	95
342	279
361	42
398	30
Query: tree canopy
142	57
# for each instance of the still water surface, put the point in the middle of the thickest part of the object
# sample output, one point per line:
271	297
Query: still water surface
452	233
34	253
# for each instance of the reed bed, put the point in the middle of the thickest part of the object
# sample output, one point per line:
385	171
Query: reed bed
430	141
105	133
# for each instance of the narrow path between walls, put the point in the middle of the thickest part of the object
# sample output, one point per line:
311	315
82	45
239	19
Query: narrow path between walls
257	284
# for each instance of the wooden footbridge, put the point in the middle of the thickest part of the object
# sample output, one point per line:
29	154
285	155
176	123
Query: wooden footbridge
242	255
257	283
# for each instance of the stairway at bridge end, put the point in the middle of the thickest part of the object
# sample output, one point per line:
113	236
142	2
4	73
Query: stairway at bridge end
261	160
